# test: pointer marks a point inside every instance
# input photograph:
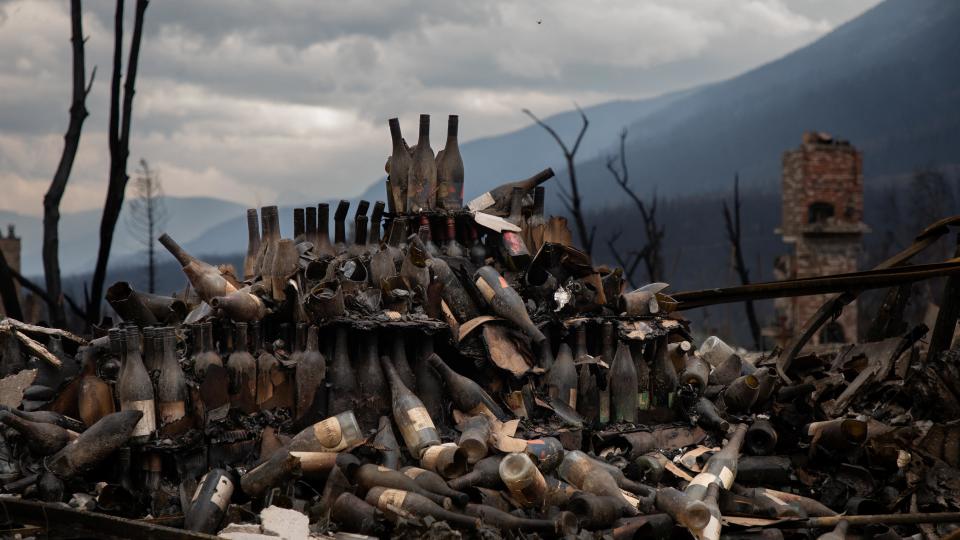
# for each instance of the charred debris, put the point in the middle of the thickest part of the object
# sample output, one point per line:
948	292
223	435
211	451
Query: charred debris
458	370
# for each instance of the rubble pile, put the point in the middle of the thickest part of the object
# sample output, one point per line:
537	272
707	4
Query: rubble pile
457	372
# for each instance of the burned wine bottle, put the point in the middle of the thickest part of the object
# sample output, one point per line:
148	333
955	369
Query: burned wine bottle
253	244
444	459
242	369
663	378
323	247
514	249
485	473
353	514
95	398
623	386
561	380
473	439
416	426
466	395
43	439
370	476
386	442
343	381
434	483
339	227
721	468
505	302
372	384
399	164
522	478
206	279
135	389
209	503
172	391
497	200
450	170
334	434
310	374
95	444
390	501
429	387
422	178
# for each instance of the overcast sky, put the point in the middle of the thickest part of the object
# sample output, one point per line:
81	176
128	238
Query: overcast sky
262	101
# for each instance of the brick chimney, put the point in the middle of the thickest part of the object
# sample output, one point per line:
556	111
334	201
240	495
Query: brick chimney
10	247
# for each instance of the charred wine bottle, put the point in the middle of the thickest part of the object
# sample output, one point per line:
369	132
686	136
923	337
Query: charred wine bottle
95	444
426	236
391	500
270	234
95	398
623	386
370	476
685	510
478	252
561	380
741	394
444	459
299	225
241	305
696	372
485	473
398	354
761	437
452	248
172	391
209	503
359	245
386	442
450	169
375	223
707	416
473	439
663	378
353	514
339	227
43	439
409	413
505	302
497	200
459	302
720	469
515	252
523	479
266	364
208	355
588	395
535	224
585	473
334	434
48	417
205	278
372	384
434	483
253	244
422	178
311	372
429	388
323	245
561	525
343	382
310	227
643	376
466	395
243	372
399	164
135	389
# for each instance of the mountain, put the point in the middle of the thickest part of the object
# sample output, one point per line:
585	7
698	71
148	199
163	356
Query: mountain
885	80
188	220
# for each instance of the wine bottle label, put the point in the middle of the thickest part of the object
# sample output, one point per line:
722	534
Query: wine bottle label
712	530
413	472
572	401
431	455
726	477
485	289
534	490
221	493
643	401
703	479
172	411
329	434
391	497
148	422
315	461
420	419
484	201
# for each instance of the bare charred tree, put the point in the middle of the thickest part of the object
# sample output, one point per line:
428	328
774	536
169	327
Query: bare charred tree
735	237
571	197
651	254
147	215
119	143
51	201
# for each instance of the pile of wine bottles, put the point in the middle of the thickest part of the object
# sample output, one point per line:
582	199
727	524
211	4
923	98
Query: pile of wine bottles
445	370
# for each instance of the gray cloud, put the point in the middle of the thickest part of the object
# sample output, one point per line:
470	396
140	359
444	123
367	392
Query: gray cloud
255	100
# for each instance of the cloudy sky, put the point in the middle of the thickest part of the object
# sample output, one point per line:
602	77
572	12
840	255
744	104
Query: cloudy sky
261	101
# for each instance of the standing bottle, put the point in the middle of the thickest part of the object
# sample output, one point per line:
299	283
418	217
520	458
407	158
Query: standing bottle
623	386
299	225
478	252
398	354
266	364
643	376
426	236
310	375
535	224
135	389
399	164
465	394
172	391
207	356
375	219
270	227
242	369
343	382
588	395
450	169
452	248
210	502
339	227
515	252
416	426
429	389
95	398
663	377
561	380
422	178
359	245
505	302
386	441
310	230
372	383
323	245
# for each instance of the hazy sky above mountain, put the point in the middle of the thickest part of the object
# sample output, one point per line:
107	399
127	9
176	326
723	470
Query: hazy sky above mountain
259	101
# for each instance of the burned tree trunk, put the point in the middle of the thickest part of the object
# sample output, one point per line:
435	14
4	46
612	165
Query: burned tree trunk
571	199
734	236
119	143
51	201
